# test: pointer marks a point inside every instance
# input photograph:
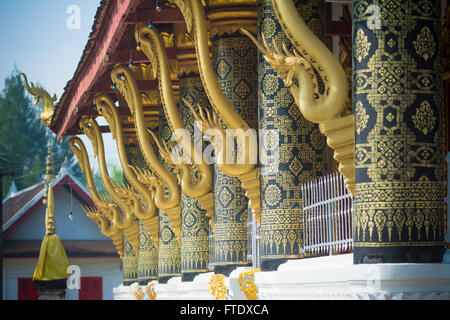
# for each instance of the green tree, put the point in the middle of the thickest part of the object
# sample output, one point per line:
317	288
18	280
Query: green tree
115	173
35	175
24	138
22	134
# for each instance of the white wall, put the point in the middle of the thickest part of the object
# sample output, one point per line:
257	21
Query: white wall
107	268
80	228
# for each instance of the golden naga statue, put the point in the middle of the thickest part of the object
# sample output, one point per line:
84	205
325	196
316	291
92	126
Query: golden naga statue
153	47
40	93
151	292
217	286
297	72
106	210
247	283
246	167
123	196
159	177
144	208
106	228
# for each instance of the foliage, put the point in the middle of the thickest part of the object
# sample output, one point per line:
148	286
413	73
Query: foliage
24	138
115	173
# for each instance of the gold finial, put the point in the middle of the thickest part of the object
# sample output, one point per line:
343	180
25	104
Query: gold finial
48	194
49	170
50	212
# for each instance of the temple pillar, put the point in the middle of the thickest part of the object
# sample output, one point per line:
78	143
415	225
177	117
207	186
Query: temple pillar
234	58
130	260
147	261
397	103
129	263
169	248
195	223
301	148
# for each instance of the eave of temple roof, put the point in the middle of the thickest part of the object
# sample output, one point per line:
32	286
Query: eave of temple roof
107	31
21	204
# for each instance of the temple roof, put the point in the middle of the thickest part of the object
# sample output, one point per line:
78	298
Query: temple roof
16	201
106	24
21	204
110	42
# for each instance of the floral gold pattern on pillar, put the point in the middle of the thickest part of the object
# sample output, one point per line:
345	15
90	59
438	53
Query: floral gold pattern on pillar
302	149
147	263
169	261
129	263
235	62
398	207
195	224
148	256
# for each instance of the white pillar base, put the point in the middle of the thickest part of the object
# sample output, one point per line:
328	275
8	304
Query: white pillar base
336	277
124	292
174	289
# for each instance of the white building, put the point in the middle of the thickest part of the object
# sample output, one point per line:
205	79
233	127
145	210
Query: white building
85	246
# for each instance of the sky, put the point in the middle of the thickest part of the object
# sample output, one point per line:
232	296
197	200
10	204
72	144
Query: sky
44	40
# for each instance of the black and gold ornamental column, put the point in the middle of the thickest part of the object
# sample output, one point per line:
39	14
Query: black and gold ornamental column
147	261
300	147
130	261
397	103
169	251
234	58
195	223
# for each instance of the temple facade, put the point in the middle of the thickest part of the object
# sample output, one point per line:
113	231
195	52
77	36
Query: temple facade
271	149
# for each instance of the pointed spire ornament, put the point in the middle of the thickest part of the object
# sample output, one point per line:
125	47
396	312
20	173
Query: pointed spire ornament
50	169
51	270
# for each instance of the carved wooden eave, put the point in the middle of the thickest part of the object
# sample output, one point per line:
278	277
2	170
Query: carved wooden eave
111	42
107	28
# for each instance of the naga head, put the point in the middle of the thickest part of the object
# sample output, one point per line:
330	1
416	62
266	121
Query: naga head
76	145
283	63
40	93
86	126
92	213
125	81
106	108
147	38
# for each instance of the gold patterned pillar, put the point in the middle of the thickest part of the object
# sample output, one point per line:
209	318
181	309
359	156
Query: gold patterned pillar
129	263
195	223
147	261
234	59
169	251
298	144
130	259
397	103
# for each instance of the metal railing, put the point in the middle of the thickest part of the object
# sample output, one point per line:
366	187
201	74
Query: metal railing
327	216
253	254
212	257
